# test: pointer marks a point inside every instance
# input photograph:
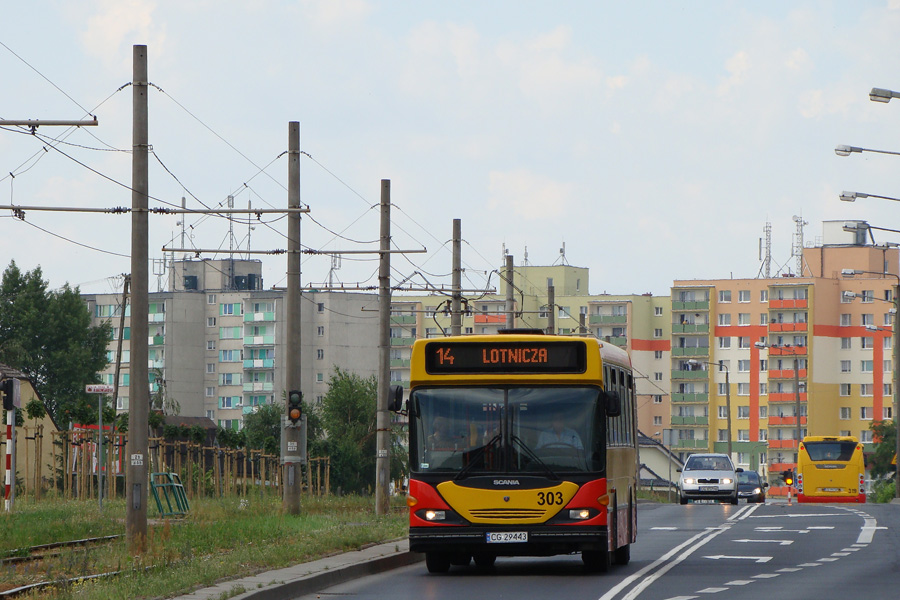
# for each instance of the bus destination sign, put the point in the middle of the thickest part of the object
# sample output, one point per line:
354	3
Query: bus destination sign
505	357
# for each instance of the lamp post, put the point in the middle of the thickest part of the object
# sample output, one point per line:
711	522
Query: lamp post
844	150
882	95
895	358
721	365
852	196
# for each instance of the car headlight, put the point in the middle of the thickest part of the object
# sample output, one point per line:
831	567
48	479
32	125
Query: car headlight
727	480
689	480
756	490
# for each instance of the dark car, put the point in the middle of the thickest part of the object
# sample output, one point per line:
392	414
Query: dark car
751	486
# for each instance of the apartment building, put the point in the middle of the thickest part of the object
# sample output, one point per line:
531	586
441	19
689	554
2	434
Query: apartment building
217	339
775	359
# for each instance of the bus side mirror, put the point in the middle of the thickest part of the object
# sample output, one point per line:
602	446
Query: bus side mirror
395	398
613	404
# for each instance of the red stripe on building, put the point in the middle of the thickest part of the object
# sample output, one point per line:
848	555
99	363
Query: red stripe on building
648	345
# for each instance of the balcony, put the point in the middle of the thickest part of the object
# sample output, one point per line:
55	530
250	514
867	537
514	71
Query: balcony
608	319
691	398
788	303
782	444
787	350
695	351
692	444
403	319
400	363
621	342
402	341
689	306
157	340
483	319
786	397
259	386
785	373
259	340
777	327
782	421
259	363
704	421
690	328
690	374
257	317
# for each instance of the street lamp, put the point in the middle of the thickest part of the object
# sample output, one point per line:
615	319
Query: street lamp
895	356
844	150
852	196
721	365
882	95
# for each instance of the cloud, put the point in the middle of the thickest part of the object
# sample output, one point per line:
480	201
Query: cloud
118	23
738	66
528	195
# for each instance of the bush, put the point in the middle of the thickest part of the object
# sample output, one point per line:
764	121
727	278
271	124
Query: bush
885	490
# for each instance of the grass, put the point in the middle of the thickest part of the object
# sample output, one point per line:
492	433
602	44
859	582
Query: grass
220	540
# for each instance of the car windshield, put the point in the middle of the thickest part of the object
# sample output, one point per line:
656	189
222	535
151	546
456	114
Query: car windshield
748	477
708	463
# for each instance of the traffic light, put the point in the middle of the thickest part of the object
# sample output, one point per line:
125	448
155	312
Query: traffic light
7	387
295	406
788	477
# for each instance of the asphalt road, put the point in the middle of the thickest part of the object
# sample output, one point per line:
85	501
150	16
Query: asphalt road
684	552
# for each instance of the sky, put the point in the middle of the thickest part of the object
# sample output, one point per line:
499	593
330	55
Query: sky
647	141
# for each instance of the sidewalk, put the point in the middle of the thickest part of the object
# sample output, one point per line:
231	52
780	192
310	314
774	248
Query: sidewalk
307	578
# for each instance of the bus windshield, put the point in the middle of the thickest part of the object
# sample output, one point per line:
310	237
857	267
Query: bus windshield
830	450
479	430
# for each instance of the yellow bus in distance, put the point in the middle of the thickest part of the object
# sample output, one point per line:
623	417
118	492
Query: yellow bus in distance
831	469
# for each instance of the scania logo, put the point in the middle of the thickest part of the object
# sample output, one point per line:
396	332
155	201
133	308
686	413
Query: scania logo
506	482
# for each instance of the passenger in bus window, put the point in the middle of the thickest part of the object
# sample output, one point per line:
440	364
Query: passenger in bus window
559	434
441	438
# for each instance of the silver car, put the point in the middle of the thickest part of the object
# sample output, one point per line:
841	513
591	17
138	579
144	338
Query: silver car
708	477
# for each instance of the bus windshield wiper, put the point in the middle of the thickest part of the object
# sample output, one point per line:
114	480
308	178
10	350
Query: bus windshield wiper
530	454
474	458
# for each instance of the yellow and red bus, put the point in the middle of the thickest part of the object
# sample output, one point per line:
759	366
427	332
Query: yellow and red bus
831	469
521	444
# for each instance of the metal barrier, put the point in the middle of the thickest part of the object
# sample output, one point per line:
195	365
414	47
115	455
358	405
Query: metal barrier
172	489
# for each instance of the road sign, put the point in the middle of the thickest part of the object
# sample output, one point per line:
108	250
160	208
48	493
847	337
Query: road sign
99	388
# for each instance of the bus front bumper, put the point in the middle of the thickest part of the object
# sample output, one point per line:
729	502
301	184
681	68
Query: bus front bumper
543	541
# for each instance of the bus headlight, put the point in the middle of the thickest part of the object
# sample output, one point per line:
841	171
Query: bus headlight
579	514
435	515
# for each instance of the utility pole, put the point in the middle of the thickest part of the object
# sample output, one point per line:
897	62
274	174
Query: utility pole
293	446
551	310
456	281
510	298
382	414
137	476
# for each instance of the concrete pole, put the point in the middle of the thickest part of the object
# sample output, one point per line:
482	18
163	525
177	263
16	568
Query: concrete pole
456	282
137	475
292	451
510	297
551	310
383	415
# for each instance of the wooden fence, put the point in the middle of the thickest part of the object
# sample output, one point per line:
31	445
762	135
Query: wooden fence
67	466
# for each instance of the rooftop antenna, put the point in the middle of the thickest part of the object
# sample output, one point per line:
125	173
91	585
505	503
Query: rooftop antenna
562	255
798	244
765	252
525	260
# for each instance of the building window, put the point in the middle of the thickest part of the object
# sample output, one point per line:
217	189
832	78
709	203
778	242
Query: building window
743	389
845	389
846	320
210	298
657	376
743	366
763	389
320	377
888	393
763	412
846	343
743	435
887	412
845	413
763	295
865	436
866	342
868	296
744	342
723	412
722	435
724	319
865	413
657	420
210	392
865	366
210	321
867	319
657	399
210	367
657	311
657	354
724	342
657	333
743	412
320	354
865	389
320	330
743	318
724	295
320	307
763	436
845	366
210	344
723	389
743	295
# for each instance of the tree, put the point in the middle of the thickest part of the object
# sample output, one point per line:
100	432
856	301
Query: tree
885	432
263	428
47	334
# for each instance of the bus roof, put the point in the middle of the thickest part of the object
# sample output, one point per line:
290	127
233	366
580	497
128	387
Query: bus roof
830	438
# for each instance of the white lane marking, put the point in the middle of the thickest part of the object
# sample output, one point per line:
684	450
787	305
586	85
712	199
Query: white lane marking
827	559
810	565
765	576
780	530
663	566
857	549
840	554
711	590
682	598
740	582
797	516
759	559
779	542
868	530
663	529
788	570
